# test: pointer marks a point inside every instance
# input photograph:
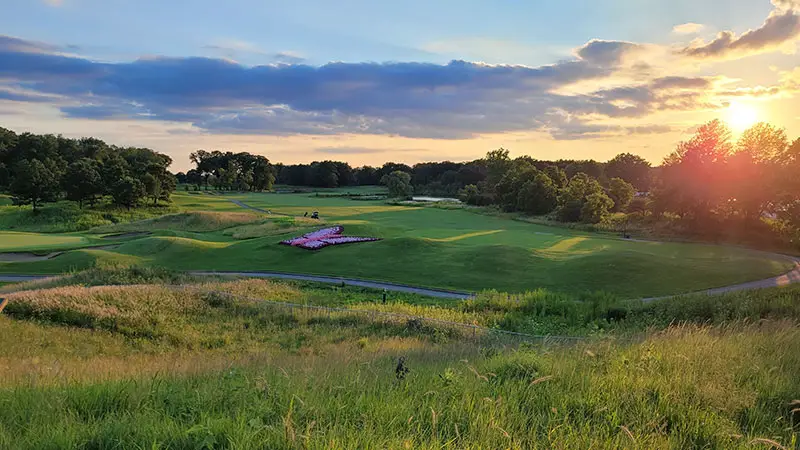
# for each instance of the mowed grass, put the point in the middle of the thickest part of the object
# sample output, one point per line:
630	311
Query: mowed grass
11	241
433	247
149	367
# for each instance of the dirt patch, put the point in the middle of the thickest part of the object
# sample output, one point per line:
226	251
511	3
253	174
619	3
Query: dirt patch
126	235
26	256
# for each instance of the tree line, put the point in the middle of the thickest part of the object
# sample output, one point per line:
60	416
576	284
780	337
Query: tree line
229	171
36	169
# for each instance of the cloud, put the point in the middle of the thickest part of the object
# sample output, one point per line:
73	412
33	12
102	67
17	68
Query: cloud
675	82
688	28
288	58
20	95
781	27
234	49
577	129
494	50
606	53
15	45
54	3
456	100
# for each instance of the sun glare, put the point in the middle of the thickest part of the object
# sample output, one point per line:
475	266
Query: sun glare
741	116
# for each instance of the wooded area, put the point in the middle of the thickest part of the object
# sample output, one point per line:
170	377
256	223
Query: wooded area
36	169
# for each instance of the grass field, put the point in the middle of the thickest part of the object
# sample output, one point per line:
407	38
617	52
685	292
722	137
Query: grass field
144	366
422	246
19	241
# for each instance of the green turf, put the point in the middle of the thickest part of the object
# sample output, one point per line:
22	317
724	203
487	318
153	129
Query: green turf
434	247
12	241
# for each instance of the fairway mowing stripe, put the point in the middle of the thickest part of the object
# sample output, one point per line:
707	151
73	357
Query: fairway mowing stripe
464	236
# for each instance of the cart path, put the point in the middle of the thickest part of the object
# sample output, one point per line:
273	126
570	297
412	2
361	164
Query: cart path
786	279
393	287
791	277
253	208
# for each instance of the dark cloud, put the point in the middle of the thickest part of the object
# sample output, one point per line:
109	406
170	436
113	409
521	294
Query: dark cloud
22	96
782	25
419	100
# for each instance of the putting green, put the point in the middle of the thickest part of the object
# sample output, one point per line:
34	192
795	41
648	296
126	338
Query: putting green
434	247
11	241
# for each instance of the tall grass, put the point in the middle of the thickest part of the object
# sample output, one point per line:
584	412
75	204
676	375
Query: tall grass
64	216
195	221
687	387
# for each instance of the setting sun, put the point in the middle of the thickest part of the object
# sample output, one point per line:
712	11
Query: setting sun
741	116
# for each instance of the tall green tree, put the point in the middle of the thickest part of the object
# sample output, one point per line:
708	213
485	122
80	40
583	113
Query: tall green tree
538	196
35	182
572	198
399	184
152	187
621	192
82	181
596	207
128	192
632	168
692	177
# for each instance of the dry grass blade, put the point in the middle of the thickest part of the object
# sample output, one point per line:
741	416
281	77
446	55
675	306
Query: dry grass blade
477	374
541	379
768	442
628	432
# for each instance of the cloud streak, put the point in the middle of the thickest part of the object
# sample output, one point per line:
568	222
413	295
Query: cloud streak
688	28
781	27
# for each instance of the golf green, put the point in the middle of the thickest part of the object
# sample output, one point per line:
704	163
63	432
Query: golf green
434	247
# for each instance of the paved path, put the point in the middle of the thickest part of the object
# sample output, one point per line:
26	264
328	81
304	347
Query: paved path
22	278
791	277
394	287
783	280
264	211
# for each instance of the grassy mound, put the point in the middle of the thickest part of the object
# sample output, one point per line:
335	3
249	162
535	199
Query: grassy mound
65	217
273	227
196	221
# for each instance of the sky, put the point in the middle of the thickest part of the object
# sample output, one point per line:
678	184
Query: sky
375	81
